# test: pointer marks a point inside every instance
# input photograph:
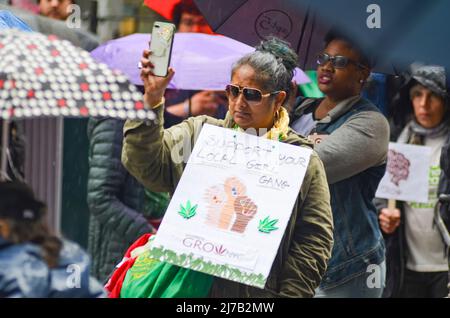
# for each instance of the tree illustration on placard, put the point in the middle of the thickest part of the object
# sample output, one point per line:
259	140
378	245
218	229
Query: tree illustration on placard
397	166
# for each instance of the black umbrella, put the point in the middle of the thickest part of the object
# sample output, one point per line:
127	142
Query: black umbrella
250	21
394	32
399	32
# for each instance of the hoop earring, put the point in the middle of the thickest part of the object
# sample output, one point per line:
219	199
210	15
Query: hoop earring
277	116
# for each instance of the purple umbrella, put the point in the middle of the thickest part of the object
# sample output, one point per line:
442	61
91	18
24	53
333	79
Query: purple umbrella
201	61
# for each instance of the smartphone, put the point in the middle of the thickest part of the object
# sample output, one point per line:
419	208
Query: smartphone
161	46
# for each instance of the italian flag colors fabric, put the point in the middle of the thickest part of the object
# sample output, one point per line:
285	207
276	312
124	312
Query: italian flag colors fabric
145	277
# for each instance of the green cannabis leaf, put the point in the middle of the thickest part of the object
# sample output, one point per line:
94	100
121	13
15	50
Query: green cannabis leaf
188	211
267	225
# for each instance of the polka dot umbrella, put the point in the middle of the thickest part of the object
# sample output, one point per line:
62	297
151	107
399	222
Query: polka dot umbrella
44	76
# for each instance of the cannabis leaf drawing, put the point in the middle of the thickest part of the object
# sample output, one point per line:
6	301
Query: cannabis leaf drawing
189	211
220	250
267	225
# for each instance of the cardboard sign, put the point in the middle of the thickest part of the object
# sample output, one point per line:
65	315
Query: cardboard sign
407	171
232	205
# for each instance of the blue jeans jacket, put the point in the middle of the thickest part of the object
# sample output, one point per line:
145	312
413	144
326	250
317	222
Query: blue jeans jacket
24	273
358	241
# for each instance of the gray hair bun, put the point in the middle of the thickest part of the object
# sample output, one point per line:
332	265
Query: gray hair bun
281	50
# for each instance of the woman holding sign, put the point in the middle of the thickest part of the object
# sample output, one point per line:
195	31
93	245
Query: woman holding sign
351	137
418	266
260	85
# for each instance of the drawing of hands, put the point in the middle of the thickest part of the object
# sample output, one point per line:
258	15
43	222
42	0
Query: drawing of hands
245	210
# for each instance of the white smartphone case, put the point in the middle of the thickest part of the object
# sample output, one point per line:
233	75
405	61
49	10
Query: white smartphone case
161	47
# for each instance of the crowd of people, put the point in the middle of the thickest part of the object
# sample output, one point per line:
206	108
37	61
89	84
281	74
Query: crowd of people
337	229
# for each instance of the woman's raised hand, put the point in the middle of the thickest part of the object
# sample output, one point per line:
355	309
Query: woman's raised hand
154	86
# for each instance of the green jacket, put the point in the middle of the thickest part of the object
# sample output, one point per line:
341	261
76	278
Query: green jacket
149	152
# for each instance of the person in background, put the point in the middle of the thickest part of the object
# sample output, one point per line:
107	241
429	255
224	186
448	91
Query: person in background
15	156
15	152
120	210
33	262
352	138
417	256
29	5
55	9
182	104
188	18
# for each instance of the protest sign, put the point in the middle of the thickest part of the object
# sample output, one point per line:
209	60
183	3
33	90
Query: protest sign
232	205
406	176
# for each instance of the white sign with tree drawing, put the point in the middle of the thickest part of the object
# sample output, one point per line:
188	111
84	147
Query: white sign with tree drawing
232	205
406	177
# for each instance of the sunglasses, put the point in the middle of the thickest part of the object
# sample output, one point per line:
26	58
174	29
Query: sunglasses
338	61
250	94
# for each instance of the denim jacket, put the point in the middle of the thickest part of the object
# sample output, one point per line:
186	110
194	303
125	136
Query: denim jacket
24	273
358	241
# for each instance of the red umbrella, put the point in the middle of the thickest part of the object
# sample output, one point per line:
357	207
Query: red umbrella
162	7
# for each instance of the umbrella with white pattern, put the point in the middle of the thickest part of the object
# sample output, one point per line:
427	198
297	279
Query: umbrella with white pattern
42	76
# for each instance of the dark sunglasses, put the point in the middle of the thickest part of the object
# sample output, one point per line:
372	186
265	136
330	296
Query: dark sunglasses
250	94
338	61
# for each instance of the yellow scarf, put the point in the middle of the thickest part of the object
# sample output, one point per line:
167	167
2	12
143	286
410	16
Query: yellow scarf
279	129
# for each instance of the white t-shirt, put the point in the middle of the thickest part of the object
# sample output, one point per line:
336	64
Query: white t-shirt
425	245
